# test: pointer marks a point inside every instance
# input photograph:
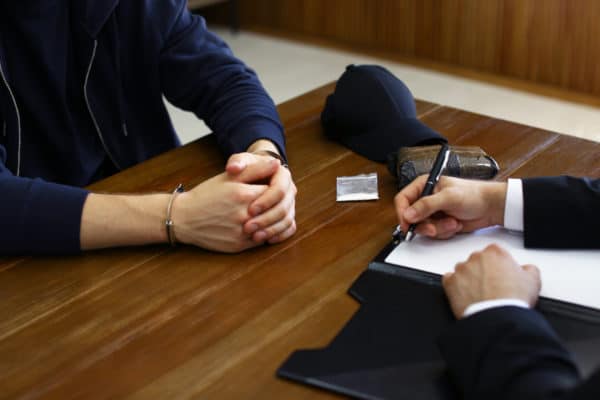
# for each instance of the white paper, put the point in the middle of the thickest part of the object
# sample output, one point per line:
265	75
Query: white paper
568	275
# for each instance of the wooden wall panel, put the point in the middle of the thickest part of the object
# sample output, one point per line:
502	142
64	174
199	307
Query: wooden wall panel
554	42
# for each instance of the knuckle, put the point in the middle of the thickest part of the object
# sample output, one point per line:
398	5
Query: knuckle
279	192
280	214
243	196
240	216
281	227
422	178
476	255
271	231
422	204
425	206
494	248
288	220
533	269
447	280
286	233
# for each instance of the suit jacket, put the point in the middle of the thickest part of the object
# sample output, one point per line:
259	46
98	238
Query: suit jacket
512	353
561	212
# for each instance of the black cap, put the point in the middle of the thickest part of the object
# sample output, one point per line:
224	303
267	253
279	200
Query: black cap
373	113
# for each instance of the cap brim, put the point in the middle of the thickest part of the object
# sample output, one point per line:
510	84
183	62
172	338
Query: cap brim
377	143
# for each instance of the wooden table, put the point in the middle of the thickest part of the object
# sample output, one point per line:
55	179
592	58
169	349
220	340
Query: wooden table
156	322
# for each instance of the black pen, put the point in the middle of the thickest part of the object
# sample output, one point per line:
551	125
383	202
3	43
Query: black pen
434	176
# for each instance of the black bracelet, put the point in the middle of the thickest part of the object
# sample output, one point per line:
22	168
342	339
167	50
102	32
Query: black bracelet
272	154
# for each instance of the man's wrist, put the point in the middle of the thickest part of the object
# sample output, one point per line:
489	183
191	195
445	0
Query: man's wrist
267	148
263	145
110	220
169	224
497	199
272	154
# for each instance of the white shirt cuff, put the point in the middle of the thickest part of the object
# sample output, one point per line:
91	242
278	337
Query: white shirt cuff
513	208
487	304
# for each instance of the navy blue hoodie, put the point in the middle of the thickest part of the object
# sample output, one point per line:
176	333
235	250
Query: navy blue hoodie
81	90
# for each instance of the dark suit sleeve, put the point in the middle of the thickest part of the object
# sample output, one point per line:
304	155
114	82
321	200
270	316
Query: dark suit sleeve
561	212
512	353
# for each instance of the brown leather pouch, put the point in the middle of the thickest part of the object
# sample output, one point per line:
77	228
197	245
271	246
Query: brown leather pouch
465	162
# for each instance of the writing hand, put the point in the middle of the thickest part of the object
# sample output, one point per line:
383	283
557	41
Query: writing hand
457	205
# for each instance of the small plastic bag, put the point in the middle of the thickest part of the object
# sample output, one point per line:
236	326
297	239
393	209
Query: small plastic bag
357	187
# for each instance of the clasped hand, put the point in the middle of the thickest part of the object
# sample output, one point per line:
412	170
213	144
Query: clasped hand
251	203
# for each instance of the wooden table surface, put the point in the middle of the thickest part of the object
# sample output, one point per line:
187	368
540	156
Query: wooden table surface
155	322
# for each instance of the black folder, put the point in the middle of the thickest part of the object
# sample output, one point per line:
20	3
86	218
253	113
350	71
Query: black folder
388	348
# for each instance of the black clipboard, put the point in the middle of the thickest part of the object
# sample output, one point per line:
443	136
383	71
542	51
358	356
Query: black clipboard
388	350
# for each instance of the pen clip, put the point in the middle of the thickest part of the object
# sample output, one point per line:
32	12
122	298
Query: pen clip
397	235
447	152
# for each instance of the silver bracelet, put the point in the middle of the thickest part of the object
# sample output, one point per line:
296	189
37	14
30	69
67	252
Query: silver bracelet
168	221
274	155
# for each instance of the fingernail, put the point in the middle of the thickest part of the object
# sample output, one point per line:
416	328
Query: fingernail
410	213
253	228
237	165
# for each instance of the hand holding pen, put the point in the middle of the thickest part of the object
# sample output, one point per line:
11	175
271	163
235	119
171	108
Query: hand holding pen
457	205
437	169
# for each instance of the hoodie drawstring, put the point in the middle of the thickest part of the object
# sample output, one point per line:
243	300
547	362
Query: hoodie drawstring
87	102
14	101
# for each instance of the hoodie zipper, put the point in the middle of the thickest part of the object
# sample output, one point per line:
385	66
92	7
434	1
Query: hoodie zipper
18	120
87	102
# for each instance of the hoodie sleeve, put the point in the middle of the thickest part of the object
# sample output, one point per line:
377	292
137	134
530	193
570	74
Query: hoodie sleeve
38	217
199	73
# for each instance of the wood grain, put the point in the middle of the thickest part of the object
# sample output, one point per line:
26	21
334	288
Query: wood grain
156	322
551	42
